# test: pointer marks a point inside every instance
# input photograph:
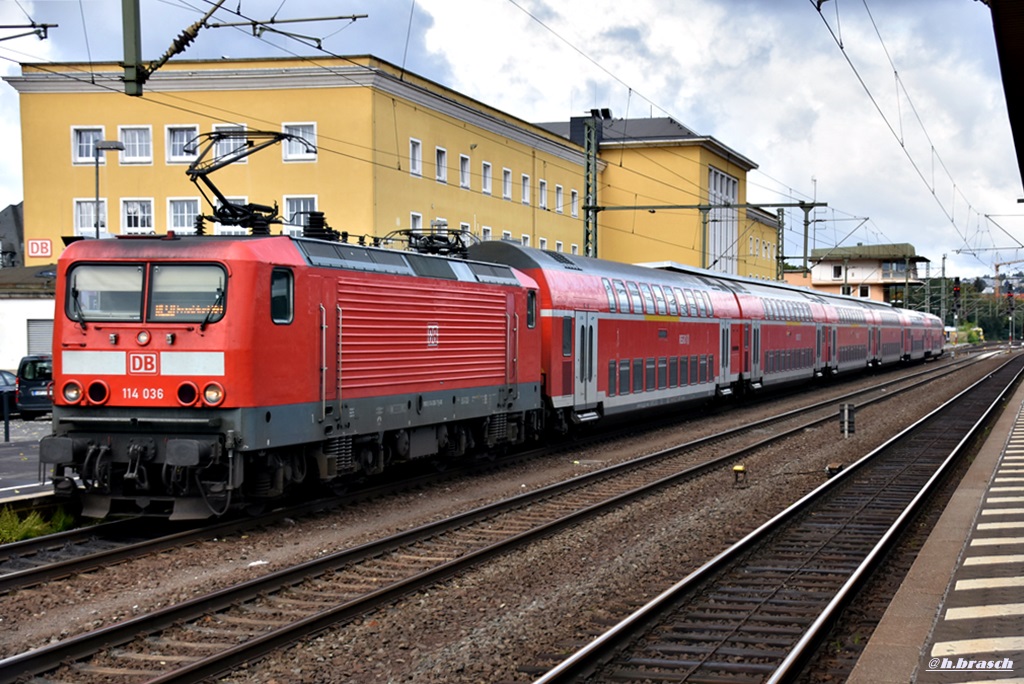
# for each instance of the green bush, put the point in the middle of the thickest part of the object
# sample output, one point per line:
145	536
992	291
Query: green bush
14	528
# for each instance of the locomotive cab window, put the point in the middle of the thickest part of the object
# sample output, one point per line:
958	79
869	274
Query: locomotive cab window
187	293
105	292
531	309
282	298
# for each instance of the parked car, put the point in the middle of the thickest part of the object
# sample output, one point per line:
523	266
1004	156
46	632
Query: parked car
8	386
35	386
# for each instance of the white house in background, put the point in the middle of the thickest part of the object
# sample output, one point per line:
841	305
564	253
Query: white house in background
26	309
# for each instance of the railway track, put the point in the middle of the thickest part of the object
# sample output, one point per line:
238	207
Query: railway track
757	611
43	559
218	631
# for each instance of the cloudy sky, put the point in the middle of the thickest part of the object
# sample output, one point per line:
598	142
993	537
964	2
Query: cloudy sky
890	111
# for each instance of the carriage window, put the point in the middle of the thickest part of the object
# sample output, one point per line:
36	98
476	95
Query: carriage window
611	295
187	292
671	299
682	303
624	377
659	299
282	304
648	298
620	294
634	297
105	293
531	309
567	336
691	304
701	307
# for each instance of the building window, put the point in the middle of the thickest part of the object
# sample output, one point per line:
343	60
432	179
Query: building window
846	290
574	198
485	233
441	164
559	199
837	272
485	178
416	222
542	243
723	221
295	150
526	240
83	141
138	144
181	146
415	157
296	213
232	144
181	214
526	189
542	194
463	171
864	291
137	216
559	246
85	217
506	183
506	235
575	249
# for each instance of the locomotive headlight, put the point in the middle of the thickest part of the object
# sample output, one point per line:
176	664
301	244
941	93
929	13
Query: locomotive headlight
142	338
213	394
72	392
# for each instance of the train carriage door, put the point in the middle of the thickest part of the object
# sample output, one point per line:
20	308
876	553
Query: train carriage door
755	354
585	395
818	358
725	357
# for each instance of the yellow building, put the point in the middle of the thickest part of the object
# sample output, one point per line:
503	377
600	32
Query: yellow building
392	151
656	187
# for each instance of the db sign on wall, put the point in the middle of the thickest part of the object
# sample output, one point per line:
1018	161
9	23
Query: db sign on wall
39	249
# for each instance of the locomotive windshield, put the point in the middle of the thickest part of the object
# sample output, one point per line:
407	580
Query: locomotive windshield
106	293
186	293
192	293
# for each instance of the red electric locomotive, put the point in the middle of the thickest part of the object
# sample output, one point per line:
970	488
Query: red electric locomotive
193	373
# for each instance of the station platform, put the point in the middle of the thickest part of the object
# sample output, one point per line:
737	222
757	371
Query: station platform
19	459
959	614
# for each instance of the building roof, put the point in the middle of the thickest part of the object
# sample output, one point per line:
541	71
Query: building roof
661	131
28	281
891	252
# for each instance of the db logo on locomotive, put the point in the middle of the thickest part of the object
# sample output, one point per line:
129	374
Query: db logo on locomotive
142	363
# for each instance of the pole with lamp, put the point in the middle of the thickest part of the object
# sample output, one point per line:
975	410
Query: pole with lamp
99	147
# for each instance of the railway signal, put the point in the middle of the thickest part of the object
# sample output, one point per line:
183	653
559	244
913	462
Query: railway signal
956	295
